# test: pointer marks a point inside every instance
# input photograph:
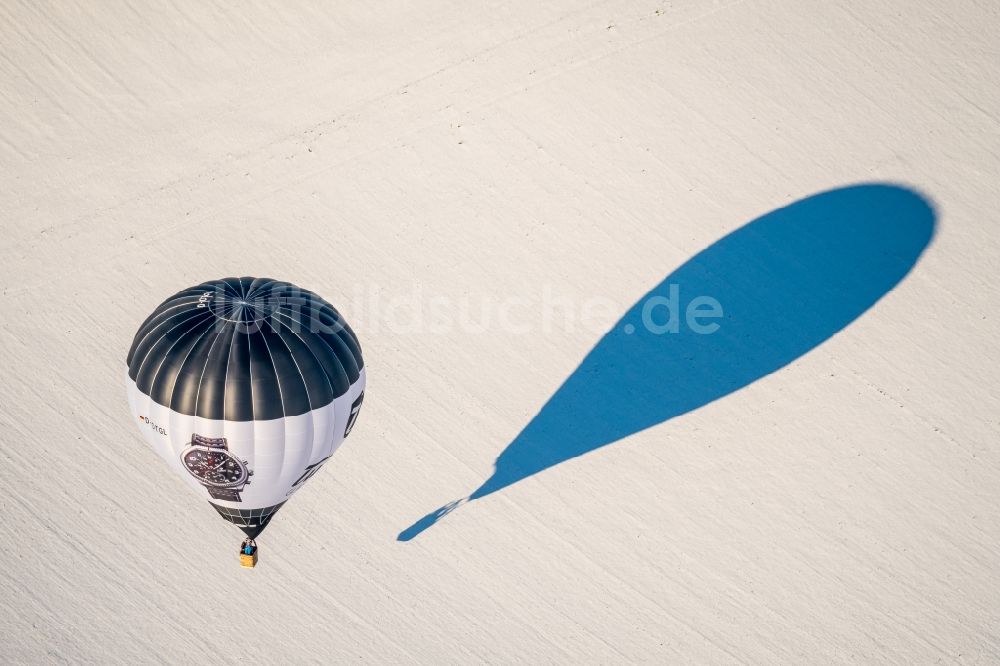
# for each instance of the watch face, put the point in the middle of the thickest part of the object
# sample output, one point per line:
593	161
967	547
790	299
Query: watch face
214	468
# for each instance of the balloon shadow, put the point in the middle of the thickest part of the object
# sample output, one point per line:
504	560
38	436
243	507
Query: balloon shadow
784	283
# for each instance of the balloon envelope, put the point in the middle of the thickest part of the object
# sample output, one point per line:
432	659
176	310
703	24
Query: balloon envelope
245	387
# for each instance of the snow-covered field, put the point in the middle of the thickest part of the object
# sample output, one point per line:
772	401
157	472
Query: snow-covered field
487	191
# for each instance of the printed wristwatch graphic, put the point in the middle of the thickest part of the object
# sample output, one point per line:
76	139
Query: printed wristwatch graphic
209	461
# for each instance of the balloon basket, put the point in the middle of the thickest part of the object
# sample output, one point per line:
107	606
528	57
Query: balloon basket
248	561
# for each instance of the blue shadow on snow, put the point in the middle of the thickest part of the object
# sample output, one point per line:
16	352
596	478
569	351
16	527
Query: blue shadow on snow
786	281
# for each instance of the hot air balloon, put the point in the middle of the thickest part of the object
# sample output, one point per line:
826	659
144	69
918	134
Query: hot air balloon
245	387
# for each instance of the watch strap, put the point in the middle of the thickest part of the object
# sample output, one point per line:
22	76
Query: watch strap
211	442
228	494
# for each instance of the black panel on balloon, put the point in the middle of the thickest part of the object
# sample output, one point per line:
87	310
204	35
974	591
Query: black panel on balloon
244	349
251	521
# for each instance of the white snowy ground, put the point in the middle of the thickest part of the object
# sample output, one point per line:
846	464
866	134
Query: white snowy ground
393	155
